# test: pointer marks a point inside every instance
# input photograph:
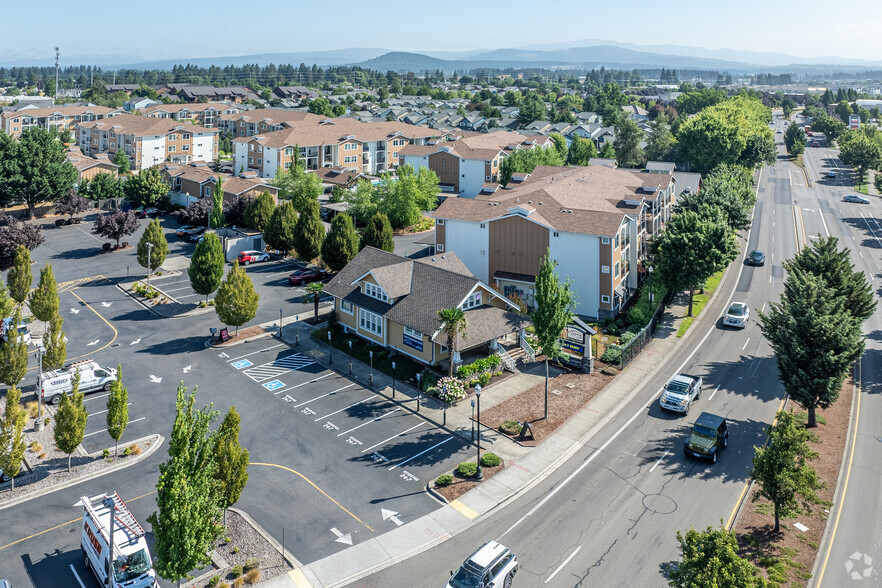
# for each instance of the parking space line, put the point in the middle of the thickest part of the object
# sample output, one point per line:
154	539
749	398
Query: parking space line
272	268
370	421
187	296
104	430
324	395
96	397
254	352
305	383
103	411
420	453
393	437
347	408
176	289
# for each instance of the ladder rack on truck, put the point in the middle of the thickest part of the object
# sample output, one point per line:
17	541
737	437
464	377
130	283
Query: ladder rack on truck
123	515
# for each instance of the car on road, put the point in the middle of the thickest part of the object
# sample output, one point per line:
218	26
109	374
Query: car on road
306	276
680	392
737	315
815	144
855	198
708	437
248	257
151	212
493	565
831	174
756	257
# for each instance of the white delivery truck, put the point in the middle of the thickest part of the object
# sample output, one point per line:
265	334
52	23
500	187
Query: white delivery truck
92	377
132	566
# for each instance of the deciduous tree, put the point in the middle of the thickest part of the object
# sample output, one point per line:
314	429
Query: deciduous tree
309	233
19	277
279	232
147	188
122	161
627	143
728	188
116	225
607	151
378	233
71	204
43	301
861	152
153	235
70	420
206	269
236	301
660	144
216	221
710	558
232	461
794	140
581	151
404	200
13	354
117	416
341	243
12	440
197	214
526	160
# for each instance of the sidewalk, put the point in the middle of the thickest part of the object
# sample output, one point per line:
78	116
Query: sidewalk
526	466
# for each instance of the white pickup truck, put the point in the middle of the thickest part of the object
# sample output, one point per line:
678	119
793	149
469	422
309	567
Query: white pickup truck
680	392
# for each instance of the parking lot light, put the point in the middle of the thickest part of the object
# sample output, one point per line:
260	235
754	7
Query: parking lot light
419	391
371	380
330	351
149	270
350	357
479	475
393	380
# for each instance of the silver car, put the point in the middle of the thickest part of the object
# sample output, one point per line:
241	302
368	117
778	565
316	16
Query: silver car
737	315
492	566
855	198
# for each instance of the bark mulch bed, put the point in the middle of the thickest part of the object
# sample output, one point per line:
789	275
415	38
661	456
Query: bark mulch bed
462	485
243	334
575	390
788	557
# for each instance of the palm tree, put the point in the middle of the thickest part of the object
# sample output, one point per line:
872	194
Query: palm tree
313	294
453	322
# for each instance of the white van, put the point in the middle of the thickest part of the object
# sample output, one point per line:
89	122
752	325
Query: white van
92	377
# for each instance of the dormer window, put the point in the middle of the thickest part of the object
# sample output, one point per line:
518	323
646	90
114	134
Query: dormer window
474	300
375	291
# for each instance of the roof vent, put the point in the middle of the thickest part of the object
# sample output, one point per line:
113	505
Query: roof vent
540	204
529	202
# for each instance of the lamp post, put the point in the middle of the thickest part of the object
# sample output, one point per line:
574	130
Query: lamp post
108	502
149	269
650	290
39	422
479	475
419	391
444	409
393	380
473	419
280	323
350	357
371	380
330	351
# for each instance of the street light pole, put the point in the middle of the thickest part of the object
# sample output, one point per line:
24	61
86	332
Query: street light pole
393	380
371	381
479	475
40	383
650	290
330	351
149	269
419	391
350	357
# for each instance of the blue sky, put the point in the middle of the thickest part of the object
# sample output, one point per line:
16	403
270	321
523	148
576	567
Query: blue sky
173	29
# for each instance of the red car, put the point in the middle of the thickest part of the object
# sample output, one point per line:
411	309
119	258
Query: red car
247	257
306	276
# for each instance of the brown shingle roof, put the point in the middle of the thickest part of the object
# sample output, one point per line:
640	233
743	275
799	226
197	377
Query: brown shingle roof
484	323
129	124
308	132
61	110
395	279
233	185
192	107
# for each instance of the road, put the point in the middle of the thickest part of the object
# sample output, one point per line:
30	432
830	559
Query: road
612	511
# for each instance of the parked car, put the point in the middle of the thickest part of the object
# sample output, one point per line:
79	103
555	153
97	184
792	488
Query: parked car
831	174
195	235
737	315
247	257
855	198
151	212
493	565
184	231
815	144
756	257
708	437
306	276
93	377
6	325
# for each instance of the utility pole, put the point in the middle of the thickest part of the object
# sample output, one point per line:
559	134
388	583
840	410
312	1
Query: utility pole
57	56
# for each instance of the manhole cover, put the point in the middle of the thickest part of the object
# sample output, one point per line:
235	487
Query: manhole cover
659	504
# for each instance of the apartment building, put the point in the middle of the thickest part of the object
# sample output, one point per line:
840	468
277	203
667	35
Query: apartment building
201	114
464	166
148	141
369	148
89	167
263	120
596	221
55	117
191	182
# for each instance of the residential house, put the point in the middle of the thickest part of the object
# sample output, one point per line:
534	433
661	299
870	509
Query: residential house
89	167
147	141
203	114
139	104
687	182
660	167
295	93
191	182
596	222
57	117
393	301
342	177
193	93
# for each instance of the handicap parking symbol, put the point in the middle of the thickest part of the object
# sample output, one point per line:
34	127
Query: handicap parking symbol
241	364
273	385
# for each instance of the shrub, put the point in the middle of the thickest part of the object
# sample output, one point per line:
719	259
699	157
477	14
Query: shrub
613	354
106	247
428	380
627	337
484	378
467	469
42	455
105	454
252	577
214	581
124	244
251	564
239	582
510	427
223	585
609	370
444	480
46	421
451	390
134	449
127	451
36	447
497	374
32	409
236	571
490	460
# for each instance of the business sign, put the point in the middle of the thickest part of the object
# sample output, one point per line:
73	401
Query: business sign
572	347
413	342
224	335
574	334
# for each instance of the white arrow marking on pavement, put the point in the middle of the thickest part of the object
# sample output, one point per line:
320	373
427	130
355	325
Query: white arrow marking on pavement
155	380
74	311
136	341
391	515
106	304
187	369
95	342
341	538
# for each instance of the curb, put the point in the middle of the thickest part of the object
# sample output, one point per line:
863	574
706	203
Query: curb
286	555
430	490
113	468
210	345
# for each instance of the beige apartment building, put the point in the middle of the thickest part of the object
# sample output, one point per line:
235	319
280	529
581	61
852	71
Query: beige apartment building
263	120
204	115
57	117
191	182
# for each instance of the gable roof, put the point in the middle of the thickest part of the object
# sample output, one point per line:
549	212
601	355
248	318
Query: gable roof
314	130
129	124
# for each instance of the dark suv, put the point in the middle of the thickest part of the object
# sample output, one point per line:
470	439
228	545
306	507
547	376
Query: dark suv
709	436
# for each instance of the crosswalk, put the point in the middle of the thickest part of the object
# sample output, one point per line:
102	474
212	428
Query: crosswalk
279	366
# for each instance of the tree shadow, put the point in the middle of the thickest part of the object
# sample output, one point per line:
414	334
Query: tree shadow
81	253
861	225
429	448
175	346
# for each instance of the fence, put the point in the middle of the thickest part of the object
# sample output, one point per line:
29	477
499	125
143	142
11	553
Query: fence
631	349
525	345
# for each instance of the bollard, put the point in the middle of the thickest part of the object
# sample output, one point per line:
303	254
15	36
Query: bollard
418	401
297	339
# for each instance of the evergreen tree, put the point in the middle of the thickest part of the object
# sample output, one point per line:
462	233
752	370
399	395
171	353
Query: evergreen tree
147	188
608	151
560	144
152	234
43	173
279	232
55	344
378	233
259	212
185	526
207	266
19	276
216	221
232	461
70	420
13	354
44	299
122	161
6	303
660	144
236	301
101	187
627	143
12	440
309	233
341	243
117	409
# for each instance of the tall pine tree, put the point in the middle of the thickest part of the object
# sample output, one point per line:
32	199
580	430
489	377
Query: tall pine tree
70	420
378	233
309	233
236	301
232	461
44	299
152	234
19	277
341	243
12	441
207	266
117	409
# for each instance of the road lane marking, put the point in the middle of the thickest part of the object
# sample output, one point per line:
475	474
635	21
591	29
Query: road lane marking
115	334
77	576
312	381
664	455
370	421
823	222
409	459
566	561
324	395
745	344
712	393
347	408
393	437
103	430
254	352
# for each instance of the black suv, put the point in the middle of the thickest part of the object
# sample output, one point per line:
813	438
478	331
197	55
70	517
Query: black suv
709	436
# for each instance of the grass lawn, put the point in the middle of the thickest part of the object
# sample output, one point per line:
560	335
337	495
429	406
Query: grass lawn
861	186
698	302
800	161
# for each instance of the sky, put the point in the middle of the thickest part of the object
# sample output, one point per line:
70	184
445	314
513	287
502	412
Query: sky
167	29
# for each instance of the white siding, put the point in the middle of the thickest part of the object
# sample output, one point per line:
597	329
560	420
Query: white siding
152	151
203	147
240	154
416	161
270	162
578	258
471	176
471	244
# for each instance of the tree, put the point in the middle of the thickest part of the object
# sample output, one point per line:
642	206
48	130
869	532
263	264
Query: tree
730	189
314	292
554	302
216	220
71	204
454	325
13	354
70	420
532	108
43	173
404	201
697	100
185	526
341	243
101	187
19	277
197	213
710	558
378	233
781	468
116	225
43	301
877	180
309	232
236	301
526	160
627	143
794	140
234	212
843	110
12	440
6	303
363	202
581	151
122	161
607	151
560	144
55	344
117	410
147	188
206	269
232	461
858	150
259	212
279	232
832	128
660	144
154	236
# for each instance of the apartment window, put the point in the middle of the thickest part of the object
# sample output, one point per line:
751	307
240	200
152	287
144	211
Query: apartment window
375	291
413	333
263	126
289	151
186	136
350	159
472	301
113	145
287	165
346	306
172	137
440	221
369	321
604	269
556	234
260	148
616	270
208	191
251	147
604	299
112	134
171	148
616	246
604	240
250	160
186	148
259	161
439	247
483	226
